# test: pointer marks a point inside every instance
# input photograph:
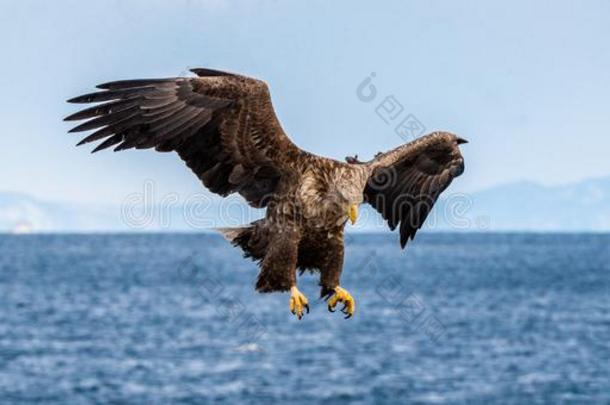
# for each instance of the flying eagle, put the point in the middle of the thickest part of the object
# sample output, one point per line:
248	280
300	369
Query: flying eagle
225	129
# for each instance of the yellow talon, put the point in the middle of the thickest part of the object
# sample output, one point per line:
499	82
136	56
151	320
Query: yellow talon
298	302
341	295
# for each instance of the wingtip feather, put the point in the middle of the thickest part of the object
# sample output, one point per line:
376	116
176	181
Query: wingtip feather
74	100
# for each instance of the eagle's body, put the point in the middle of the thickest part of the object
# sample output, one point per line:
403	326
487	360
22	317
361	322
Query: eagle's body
306	224
224	127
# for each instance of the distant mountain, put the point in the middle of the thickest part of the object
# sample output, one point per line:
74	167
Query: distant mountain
521	206
20	213
582	206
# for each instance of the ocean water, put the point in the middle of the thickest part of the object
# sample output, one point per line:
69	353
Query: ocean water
173	318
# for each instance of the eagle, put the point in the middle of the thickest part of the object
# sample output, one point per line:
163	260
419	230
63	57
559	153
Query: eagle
224	127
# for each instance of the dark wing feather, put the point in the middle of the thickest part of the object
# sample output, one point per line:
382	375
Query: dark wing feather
221	124
407	181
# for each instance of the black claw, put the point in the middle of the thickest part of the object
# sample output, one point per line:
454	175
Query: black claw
307	308
343	309
330	294
330	309
348	316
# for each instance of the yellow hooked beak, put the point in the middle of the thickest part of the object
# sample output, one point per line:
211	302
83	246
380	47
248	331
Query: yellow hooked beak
352	213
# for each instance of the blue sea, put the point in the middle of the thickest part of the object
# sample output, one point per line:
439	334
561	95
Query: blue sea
174	318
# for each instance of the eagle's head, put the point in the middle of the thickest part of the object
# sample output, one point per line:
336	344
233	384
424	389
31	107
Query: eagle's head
339	208
350	200
348	195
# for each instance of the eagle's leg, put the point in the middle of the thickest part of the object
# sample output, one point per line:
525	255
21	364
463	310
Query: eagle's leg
278	268
341	295
331	274
298	302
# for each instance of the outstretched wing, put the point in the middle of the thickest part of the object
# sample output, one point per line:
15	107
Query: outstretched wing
406	182
222	125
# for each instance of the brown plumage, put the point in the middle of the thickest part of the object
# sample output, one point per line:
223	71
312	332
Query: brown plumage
225	129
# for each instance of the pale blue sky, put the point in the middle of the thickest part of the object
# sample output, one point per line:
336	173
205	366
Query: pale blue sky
528	83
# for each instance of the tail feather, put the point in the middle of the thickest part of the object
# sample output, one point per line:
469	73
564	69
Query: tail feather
231	234
255	239
249	238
